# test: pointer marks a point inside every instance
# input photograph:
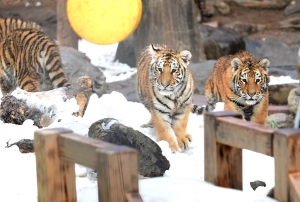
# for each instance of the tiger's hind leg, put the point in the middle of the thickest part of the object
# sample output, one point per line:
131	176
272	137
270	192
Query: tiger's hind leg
30	84
148	125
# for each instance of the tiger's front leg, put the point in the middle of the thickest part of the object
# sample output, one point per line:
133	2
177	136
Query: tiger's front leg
30	84
164	131
180	121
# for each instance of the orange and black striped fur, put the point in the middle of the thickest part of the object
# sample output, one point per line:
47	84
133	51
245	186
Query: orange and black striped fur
29	59
241	82
9	24
165	86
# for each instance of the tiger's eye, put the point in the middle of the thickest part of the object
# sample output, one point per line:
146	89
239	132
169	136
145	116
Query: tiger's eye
173	71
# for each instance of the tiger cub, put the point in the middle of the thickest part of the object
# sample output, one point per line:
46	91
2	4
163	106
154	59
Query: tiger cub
165	86
9	24
29	59
241	82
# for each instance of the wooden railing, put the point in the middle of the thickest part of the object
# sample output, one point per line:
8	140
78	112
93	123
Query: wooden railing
225	137
57	151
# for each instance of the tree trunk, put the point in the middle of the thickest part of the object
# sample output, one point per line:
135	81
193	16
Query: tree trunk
65	33
172	23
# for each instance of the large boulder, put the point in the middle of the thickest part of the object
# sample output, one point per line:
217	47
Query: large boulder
229	41
151	161
77	64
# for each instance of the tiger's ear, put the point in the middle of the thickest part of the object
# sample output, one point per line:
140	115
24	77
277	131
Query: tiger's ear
264	63
235	64
186	56
153	50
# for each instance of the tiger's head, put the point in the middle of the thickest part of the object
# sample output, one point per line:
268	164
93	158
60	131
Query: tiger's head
168	68
250	80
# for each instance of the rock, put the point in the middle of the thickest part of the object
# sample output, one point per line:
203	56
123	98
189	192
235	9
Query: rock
278	93
222	7
151	162
244	29
279	54
291	9
280	120
125	52
293	23
77	64
126	87
25	145
256	184
229	41
288	70
201	72
269	4
212	49
293	100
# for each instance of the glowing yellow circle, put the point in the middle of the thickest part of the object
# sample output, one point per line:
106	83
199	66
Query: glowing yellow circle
104	21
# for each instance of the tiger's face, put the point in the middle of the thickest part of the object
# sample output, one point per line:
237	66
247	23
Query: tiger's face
250	80
168	70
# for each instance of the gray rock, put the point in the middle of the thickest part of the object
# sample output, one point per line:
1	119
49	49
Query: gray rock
201	72
277	71
278	53
125	52
229	41
151	162
280	120
77	64
212	49
244	29
222	7
291	9
293	100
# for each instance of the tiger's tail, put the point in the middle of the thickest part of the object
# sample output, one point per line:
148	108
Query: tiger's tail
199	110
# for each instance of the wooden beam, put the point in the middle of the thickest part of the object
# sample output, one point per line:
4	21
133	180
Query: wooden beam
286	145
244	135
222	163
117	173
294	186
55	177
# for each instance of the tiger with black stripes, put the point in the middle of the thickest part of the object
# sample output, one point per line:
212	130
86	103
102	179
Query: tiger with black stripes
9	24
165	86
241	82
29	59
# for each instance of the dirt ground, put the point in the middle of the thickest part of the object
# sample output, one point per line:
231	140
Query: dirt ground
268	17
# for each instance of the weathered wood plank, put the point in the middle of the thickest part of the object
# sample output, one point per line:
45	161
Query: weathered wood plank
117	173
217	169
80	149
294	186
55	178
134	197
286	145
244	135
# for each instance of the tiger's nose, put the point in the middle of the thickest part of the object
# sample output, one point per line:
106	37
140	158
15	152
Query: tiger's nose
165	84
251	94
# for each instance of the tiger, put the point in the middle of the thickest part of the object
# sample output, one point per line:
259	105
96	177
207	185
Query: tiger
9	24
29	59
165	86
241	82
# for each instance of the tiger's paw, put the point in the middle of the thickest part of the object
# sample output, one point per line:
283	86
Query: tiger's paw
184	141
175	148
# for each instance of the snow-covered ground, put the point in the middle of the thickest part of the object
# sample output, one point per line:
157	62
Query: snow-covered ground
184	181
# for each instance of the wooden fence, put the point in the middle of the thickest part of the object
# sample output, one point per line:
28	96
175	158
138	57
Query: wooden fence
57	150
225	137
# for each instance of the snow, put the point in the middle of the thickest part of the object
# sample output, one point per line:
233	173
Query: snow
184	181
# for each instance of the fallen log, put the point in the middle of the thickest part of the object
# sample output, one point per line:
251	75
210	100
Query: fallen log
46	107
151	161
25	145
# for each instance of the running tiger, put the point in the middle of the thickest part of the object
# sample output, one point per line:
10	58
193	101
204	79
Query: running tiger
165	86
241	82
29	59
9	24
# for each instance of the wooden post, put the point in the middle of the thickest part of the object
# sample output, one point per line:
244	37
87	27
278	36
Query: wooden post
286	146
117	174
55	178
294	183
222	163
65	33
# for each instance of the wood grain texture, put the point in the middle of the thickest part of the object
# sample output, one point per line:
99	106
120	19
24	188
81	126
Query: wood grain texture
245	135
117	173
222	164
294	183
55	178
286	146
